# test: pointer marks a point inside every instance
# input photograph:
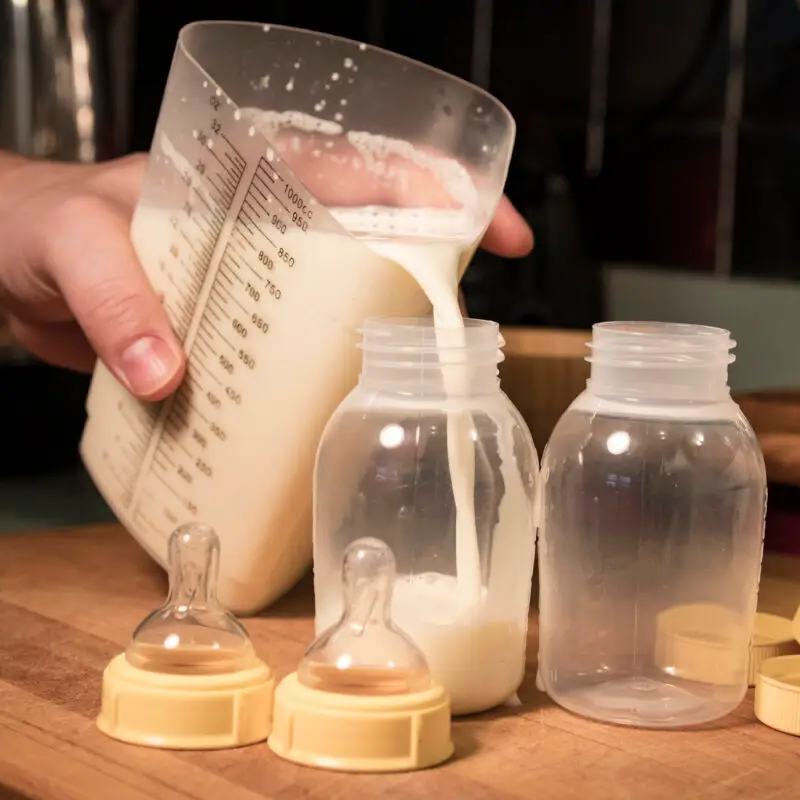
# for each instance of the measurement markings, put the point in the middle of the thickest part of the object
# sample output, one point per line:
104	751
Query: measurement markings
272	192
215	330
266	199
234	266
228	156
198	346
137	451
220	307
145	414
198	363
233	147
193	380
244	238
226	169
235	170
212	188
217	197
218	219
208	234
221	274
182	402
231	251
222	288
158	463
206	343
167	484
123	482
253	270
183	416
191	245
270	172
141	518
127	454
254	222
185	315
141	437
227	181
201	415
240	221
195	284
177	324
226	196
177	442
160	452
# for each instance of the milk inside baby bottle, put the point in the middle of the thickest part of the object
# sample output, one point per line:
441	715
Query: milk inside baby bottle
428	455
651	532
297	184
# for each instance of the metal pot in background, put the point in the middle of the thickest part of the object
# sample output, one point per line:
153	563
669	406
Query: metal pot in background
65	70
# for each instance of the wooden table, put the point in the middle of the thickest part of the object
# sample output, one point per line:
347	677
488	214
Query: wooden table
69	601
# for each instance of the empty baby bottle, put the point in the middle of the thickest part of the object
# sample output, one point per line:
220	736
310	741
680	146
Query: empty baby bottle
651	532
429	456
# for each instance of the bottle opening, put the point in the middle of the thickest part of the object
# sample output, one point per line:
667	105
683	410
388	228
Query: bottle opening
421	334
673	361
413	355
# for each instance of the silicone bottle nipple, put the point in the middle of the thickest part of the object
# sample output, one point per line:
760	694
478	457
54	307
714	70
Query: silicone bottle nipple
362	698
191	633
364	653
190	678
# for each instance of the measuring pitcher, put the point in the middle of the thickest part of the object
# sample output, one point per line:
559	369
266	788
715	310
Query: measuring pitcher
297	184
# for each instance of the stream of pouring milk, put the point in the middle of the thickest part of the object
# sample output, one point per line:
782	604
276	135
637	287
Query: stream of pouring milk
440	283
469	634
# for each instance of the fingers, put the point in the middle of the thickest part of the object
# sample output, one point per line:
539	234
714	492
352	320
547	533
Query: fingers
123	182
60	344
509	235
339	174
92	261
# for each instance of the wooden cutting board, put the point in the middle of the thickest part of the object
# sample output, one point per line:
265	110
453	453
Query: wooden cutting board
69	601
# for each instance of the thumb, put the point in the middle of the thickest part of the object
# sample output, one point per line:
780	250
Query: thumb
90	256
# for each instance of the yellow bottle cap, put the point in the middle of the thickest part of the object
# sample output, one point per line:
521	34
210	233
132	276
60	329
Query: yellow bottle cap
190	679
772	637
353	733
362	699
186	712
701	642
777	700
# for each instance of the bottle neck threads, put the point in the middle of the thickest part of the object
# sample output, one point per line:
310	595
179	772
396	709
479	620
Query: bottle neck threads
409	356
660	362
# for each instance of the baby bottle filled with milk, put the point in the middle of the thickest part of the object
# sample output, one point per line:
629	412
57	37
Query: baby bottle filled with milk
428	455
651	530
297	184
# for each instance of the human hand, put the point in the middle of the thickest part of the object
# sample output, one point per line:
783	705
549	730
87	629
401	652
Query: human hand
70	283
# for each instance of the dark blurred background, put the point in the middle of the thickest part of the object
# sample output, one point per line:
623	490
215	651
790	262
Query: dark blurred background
657	155
629	118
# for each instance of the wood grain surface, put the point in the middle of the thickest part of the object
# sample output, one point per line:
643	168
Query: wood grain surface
69	601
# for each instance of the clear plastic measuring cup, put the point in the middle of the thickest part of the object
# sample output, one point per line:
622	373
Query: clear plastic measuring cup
291	175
